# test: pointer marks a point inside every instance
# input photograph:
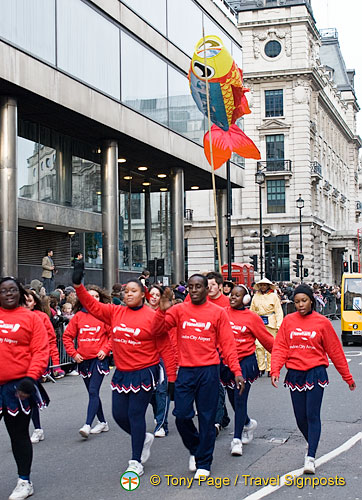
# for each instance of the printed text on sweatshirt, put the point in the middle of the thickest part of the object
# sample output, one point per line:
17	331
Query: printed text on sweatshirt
24	346
303	342
199	331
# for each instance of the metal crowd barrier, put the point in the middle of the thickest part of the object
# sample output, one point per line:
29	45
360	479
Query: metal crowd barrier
331	309
64	358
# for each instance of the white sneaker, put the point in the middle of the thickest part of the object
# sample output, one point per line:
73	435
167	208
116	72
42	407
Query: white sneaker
160	433
146	452
192	463
23	489
236	448
38	435
100	427
134	466
73	373
85	430
248	431
309	465
201	472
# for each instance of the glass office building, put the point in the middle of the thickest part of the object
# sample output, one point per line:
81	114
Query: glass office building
102	131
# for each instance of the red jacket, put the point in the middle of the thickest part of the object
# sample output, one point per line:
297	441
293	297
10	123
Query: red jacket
248	326
199	330
52	338
303	342
92	335
134	346
24	345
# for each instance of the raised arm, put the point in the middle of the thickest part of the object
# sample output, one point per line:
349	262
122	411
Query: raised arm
103	312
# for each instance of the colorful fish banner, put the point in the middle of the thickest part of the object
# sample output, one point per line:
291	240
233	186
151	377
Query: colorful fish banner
227	101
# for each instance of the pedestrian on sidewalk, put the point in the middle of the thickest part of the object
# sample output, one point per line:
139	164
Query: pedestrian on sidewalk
247	326
136	355
24	355
49	271
92	337
303	344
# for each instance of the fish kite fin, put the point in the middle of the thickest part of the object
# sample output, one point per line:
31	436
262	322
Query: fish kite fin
225	143
241	144
221	148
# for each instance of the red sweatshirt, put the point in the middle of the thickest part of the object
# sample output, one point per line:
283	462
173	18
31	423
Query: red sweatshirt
199	330
134	346
221	301
303	342
24	345
52	338
92	334
248	326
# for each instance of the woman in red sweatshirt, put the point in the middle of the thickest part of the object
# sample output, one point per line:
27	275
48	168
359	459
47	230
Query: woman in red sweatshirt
302	344
93	339
136	354
33	303
24	354
247	326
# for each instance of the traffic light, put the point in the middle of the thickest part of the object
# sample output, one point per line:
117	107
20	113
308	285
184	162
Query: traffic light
272	262
345	266
355	267
305	272
296	267
254	261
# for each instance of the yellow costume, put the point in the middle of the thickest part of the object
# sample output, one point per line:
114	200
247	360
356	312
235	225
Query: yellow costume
268	306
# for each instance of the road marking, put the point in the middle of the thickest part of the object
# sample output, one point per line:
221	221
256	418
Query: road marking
267	490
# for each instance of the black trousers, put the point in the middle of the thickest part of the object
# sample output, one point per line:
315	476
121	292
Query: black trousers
18	430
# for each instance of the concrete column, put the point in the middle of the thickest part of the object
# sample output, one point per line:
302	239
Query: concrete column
64	171
110	214
8	188
222	211
148	224
177	225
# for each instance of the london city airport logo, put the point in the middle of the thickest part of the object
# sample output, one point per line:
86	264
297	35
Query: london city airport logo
130	481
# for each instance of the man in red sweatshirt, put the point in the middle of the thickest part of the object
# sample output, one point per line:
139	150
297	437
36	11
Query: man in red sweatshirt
215	284
200	328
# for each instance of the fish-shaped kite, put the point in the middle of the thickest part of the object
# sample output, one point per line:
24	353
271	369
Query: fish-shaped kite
227	100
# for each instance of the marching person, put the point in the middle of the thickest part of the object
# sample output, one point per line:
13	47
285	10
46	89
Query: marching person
160	399
200	328
247	327
136	355
33	303
266	304
24	355
303	344
93	339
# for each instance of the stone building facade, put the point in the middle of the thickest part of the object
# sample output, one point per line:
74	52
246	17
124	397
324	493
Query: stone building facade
304	122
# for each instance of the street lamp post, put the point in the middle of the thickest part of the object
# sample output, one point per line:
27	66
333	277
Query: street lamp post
300	206
260	179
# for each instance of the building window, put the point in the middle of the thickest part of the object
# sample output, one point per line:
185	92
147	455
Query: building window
273	103
276	196
135	206
277	258
275	152
273	48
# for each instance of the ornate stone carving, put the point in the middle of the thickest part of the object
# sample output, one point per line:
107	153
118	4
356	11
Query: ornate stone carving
272	34
301	91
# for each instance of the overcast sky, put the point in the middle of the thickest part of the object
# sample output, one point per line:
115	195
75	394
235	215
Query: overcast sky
346	16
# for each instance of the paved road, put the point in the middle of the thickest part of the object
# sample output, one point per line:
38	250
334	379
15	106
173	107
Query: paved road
67	467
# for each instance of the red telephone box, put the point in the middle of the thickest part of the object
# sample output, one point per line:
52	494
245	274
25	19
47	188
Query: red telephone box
240	273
